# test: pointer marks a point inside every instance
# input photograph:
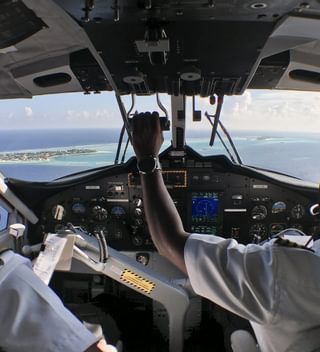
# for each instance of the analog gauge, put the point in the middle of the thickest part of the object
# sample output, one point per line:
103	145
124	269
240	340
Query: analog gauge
78	208
58	212
278	207
118	212
99	213
276	228
259	212
258	232
298	211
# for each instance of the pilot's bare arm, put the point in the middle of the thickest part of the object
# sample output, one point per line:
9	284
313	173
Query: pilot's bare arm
164	222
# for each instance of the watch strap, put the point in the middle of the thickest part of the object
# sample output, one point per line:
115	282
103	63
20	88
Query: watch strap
148	165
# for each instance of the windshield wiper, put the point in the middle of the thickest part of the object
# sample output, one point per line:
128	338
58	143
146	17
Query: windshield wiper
116	160
216	122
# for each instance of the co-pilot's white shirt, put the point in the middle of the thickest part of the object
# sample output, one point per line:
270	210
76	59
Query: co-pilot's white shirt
32	317
277	288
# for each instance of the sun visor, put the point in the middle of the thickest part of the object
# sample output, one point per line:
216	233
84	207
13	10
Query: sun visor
37	42
17	23
299	39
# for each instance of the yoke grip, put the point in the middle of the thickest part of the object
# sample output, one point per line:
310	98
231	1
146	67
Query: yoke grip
164	123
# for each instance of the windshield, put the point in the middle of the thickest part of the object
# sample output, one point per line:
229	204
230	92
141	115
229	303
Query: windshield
52	136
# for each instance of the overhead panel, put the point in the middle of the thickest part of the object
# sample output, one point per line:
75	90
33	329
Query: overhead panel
186	47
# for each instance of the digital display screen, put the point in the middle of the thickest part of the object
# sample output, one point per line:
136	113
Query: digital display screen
205	207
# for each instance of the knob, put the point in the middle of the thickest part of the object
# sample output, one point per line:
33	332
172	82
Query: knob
99	213
58	212
138	212
138	202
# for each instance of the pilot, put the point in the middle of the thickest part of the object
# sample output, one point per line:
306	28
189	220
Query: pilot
33	318
276	287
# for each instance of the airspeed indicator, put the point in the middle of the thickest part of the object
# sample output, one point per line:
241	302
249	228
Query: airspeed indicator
259	212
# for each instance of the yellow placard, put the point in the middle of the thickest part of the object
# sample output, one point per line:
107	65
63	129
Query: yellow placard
137	281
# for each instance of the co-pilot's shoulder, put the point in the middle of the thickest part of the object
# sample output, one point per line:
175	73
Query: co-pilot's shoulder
283	245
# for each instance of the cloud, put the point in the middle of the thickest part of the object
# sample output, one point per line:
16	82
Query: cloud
253	110
93	118
28	111
267	110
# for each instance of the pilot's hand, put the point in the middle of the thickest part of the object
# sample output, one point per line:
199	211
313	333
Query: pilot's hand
104	347
147	136
101	346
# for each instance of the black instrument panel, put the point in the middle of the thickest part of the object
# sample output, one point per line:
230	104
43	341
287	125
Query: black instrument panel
210	198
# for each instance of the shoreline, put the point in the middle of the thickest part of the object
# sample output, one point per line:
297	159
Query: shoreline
43	155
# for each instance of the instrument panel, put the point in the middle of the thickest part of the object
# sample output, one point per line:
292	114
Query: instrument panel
209	199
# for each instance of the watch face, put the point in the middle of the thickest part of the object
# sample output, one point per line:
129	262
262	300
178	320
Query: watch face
147	165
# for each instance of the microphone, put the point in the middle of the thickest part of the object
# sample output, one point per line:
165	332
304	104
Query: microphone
29	251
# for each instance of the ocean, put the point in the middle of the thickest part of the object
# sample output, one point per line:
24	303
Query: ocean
288	153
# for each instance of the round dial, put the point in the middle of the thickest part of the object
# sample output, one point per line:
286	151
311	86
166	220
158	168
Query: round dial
298	211
276	228
99	213
78	208
258	232
278	207
259	212
118	212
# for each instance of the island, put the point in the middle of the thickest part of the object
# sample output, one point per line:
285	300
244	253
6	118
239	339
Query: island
44	155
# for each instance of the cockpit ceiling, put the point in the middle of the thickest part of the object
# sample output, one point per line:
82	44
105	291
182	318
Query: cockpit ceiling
147	46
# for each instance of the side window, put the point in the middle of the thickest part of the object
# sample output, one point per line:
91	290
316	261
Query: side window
3	218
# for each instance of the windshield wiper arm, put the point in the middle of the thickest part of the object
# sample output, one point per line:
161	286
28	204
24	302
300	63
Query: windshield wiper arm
216	119
116	160
231	142
215	132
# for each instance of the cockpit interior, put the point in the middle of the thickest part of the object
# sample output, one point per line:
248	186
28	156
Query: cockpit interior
114	275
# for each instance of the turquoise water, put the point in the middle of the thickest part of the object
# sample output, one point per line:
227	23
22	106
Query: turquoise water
292	154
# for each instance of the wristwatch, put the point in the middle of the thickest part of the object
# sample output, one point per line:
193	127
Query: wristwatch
148	165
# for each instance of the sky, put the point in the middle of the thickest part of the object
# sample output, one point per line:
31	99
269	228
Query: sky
254	110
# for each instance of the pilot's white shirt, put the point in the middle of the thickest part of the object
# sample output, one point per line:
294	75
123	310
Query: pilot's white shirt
32	317
277	288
